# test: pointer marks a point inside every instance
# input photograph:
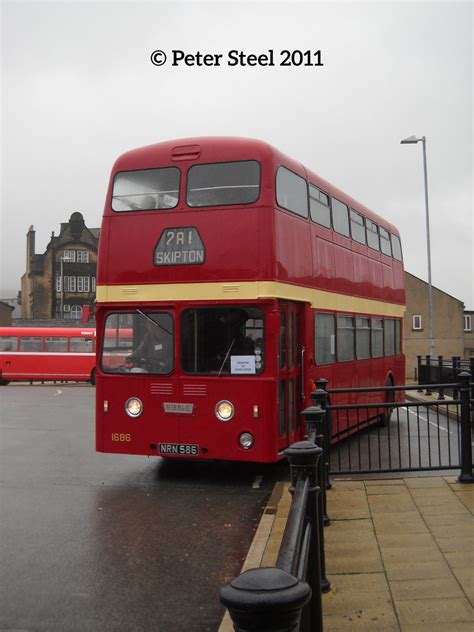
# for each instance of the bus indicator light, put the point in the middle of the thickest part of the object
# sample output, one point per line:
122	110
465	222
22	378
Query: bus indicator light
255	411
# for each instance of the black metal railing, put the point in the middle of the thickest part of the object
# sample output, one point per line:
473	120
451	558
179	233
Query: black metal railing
384	434
439	370
287	597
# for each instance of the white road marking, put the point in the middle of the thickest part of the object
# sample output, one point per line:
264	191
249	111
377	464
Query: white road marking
58	392
257	482
425	419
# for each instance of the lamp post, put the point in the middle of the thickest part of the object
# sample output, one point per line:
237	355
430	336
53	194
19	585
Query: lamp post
62	259
412	140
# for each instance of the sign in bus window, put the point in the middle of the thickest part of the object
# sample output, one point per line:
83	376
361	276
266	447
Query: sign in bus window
146	190
223	183
222	341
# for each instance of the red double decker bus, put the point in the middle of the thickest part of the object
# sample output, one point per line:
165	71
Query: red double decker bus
243	277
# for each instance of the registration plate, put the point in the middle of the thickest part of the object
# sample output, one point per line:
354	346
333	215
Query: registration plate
179	449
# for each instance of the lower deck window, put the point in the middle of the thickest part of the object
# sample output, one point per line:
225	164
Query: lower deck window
222	341
8	343
325	338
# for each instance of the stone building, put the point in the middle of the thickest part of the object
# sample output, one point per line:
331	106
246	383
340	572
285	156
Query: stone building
468	334
448	323
60	282
5	314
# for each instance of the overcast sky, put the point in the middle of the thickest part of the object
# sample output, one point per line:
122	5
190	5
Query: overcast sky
79	89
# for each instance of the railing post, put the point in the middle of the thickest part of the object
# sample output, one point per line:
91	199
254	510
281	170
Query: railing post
428	364
455	376
471	371
303	458
440	377
418	357
466	475
265	600
320	397
314	420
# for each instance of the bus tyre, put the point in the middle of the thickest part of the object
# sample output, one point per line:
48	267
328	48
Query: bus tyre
93	377
4	382
386	416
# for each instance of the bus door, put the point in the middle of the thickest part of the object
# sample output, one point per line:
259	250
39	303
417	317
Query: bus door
289	377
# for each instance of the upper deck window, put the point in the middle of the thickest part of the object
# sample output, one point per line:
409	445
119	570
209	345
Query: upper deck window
340	217
372	234
385	246
357	227
146	190
319	207
223	183
396	248
292	192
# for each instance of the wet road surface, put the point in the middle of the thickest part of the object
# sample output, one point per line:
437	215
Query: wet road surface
109	542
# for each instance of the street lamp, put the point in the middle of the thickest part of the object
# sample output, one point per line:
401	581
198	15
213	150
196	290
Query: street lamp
63	260
412	140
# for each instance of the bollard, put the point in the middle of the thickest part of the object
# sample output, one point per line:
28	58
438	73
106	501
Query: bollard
303	458
466	475
265	600
440	377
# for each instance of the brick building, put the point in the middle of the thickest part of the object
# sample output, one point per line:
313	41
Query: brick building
448	323
60	282
468	334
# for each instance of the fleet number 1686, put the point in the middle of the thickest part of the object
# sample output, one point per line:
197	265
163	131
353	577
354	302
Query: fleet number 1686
121	436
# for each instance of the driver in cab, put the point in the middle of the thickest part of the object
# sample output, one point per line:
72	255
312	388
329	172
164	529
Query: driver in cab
154	353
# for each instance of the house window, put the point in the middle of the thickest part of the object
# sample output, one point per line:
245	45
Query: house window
76	312
69	255
82	256
58	283
467	322
417	323
83	283
93	284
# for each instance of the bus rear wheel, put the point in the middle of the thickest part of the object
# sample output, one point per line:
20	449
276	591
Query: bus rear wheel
4	382
386	416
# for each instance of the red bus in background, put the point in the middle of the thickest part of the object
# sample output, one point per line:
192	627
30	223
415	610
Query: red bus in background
243	277
47	353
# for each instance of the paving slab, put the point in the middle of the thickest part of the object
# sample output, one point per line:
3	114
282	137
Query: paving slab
451	610
385	482
411	589
465	577
385	490
396	503
426	482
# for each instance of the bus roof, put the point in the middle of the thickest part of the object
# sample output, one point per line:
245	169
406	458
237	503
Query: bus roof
208	149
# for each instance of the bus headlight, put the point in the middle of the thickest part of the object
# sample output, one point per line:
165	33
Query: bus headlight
134	407
224	410
246	440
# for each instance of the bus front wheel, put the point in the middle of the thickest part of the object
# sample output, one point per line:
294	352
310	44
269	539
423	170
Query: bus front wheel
93	377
